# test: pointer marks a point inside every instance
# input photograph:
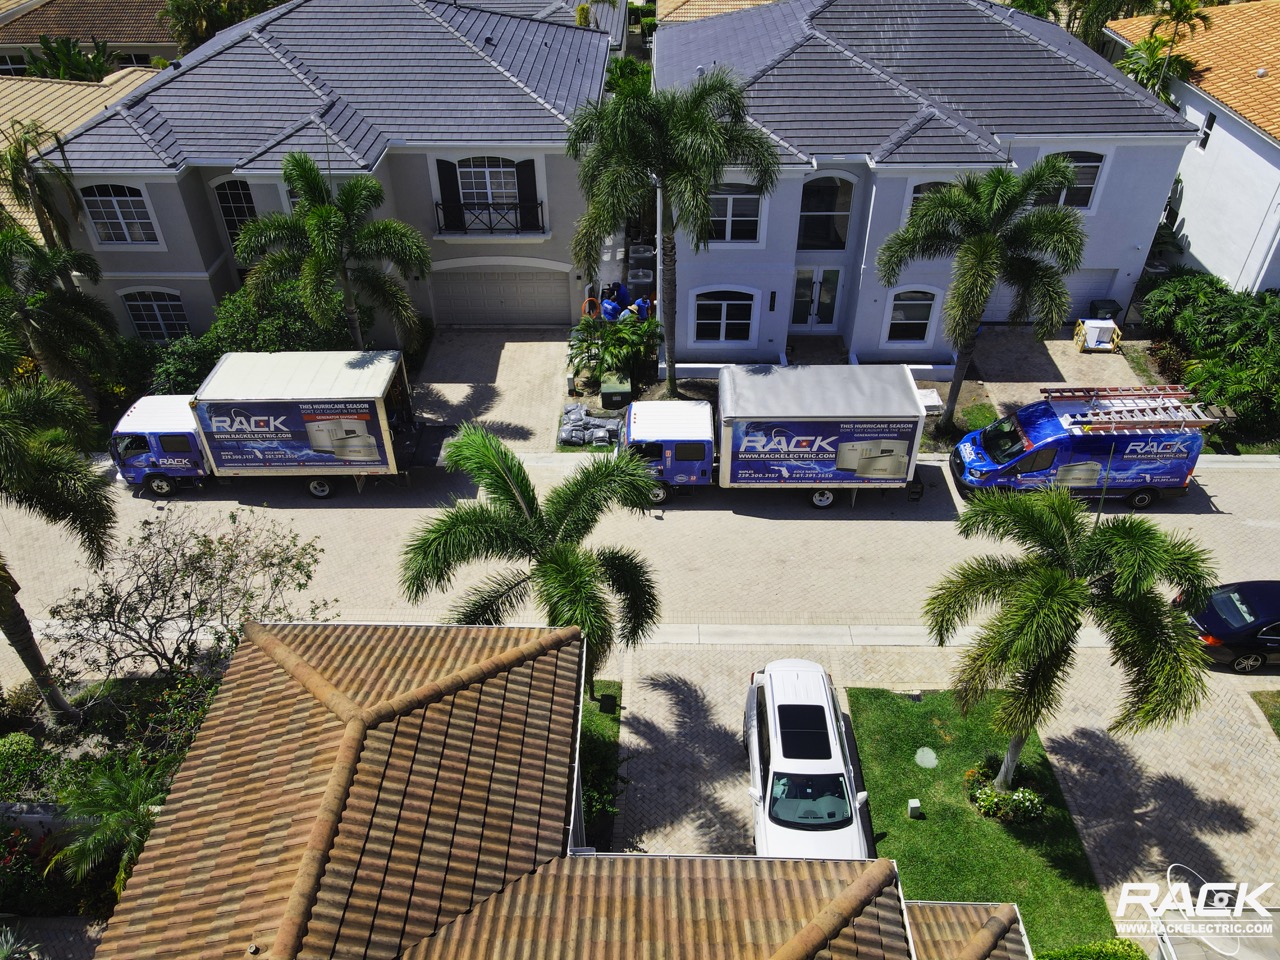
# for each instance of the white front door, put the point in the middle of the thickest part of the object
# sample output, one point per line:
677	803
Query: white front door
814	308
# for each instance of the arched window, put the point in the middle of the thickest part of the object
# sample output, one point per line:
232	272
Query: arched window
824	214
1080	194
910	317
156	314
923	189
488	195
735	212
119	214
723	316
236	203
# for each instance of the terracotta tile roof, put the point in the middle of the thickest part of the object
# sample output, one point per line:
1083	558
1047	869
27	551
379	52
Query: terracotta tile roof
620	907
951	931
355	787
116	21
1241	39
683	11
60	105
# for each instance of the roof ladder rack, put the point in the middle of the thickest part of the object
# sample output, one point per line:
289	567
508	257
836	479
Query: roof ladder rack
1162	391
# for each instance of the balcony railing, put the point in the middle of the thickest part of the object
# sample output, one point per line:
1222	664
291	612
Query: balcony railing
489	218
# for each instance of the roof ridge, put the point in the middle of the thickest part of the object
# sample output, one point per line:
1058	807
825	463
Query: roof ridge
986	938
435	690
126	114
307	676
289	60
840	911
1131	89
318	117
425	6
960	124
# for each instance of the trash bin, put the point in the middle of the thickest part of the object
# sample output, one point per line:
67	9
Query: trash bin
1104	310
615	391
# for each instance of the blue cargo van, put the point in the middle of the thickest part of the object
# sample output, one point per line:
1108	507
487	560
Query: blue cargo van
1136	442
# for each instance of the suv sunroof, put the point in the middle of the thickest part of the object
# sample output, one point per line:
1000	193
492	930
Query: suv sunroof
802	728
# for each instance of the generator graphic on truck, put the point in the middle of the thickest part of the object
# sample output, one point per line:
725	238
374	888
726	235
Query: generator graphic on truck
813	451
267	433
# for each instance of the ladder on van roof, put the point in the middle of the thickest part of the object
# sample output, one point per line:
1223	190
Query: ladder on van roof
1158	407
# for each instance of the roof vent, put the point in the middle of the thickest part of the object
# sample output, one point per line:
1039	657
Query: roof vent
176	64
700	70
1262	72
488	40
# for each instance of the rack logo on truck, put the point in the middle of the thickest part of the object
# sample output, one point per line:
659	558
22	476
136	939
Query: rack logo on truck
1178	449
243	424
759	443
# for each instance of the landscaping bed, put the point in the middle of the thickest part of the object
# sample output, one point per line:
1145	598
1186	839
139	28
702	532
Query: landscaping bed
954	853
1268	702
598	754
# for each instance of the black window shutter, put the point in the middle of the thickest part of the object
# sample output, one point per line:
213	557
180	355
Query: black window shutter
527	192
451	217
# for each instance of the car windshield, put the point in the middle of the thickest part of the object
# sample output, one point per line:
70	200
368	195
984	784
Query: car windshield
1231	607
810	802
1003	440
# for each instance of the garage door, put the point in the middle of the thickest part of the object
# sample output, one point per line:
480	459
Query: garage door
501	297
1083	285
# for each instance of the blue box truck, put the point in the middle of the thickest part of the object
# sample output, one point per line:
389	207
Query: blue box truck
817	428
1136	442
313	415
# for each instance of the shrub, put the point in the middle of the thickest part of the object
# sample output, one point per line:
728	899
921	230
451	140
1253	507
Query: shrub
22	765
18	705
648	25
1020	806
582	15
598	346
13	947
1117	949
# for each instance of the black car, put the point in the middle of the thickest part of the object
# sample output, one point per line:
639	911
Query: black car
1241	625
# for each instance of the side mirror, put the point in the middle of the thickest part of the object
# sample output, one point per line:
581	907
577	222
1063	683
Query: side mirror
860	799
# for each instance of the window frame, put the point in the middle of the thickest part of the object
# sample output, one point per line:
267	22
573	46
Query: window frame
216	185
747	192
124	296
840	177
931	329
1099	166
13	65
748	294
157	245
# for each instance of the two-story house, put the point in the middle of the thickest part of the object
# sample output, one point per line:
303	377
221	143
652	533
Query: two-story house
1226	210
132	28
460	112
871	104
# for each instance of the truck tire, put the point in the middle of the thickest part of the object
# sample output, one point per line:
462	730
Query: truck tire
822	498
161	485
320	488
1141	499
660	493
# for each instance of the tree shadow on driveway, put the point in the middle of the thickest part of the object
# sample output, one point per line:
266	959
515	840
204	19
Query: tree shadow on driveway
1134	824
480	399
687	777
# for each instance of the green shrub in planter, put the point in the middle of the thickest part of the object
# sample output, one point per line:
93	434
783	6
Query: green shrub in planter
22	763
648	25
1021	806
1117	949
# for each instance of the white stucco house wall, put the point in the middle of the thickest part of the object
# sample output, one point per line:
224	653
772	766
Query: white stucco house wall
870	102
1226	209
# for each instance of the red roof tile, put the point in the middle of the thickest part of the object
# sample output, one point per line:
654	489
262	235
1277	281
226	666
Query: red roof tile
116	21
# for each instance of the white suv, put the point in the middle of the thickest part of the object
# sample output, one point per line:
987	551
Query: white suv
801	776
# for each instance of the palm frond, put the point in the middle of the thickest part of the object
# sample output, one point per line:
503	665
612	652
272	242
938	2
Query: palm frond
573	507
568	584
635	592
380	288
464	533
308	183
394	241
495	470
358	197
270	231
970	586
490	603
67	491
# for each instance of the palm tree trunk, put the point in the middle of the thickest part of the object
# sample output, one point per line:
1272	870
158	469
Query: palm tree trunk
352	312
667	305
1004	779
17	630
47	232
964	356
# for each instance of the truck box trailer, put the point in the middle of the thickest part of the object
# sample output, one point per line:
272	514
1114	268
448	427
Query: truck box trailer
819	428
315	415
1136	442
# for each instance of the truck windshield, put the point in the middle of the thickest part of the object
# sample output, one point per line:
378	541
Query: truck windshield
128	445
1003	441
817	802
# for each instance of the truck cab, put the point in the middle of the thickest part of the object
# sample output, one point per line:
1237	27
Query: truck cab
156	445
676	437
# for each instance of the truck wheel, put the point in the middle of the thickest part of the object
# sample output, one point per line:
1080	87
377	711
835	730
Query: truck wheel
320	489
161	485
660	493
823	498
1141	499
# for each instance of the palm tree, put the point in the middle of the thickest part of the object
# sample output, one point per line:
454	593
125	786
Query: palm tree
41	471
608	592
1152	63
329	243
1179	14
995	232
1072	568
63	327
679	140
111	812
36	182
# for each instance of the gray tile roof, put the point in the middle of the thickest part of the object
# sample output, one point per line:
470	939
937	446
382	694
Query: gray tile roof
910	81
310	75
611	19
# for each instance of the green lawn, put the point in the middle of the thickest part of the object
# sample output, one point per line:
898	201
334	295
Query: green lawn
1269	702
598	753
954	853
